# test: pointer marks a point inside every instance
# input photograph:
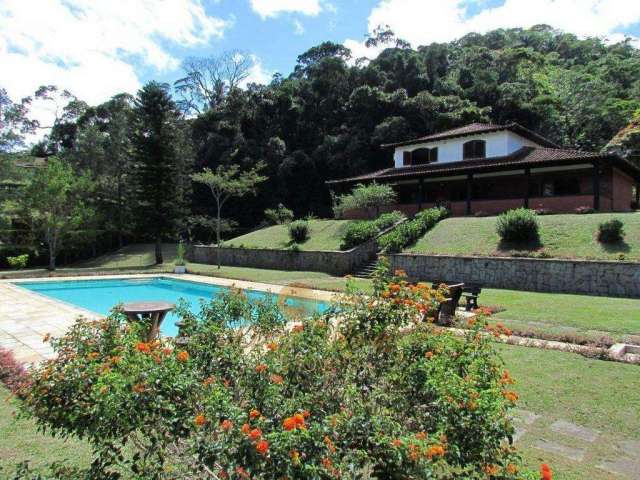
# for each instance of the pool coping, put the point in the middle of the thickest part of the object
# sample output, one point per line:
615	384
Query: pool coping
30	315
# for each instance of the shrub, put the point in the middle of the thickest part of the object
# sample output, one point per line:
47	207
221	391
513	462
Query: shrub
409	232
611	231
366	197
180	253
279	215
382	394
12	372
357	233
298	231
19	261
584	210
518	226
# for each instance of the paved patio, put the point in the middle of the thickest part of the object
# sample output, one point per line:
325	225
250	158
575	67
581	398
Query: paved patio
26	316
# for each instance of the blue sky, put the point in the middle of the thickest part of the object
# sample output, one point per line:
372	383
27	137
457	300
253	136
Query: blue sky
97	48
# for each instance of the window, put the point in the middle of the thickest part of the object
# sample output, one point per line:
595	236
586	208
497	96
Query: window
474	149
406	158
422	156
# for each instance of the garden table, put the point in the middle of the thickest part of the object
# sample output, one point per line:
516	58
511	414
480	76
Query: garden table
148	312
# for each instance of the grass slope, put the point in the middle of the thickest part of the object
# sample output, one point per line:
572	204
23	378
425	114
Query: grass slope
323	235
563	236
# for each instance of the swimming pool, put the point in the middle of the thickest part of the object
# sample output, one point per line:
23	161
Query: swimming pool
100	296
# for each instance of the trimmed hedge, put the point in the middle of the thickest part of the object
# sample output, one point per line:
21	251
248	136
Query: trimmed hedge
357	233
409	232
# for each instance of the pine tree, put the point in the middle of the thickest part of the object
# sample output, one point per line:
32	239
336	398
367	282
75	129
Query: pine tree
160	164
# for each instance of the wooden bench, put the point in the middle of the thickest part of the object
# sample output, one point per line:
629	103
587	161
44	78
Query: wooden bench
471	292
447	308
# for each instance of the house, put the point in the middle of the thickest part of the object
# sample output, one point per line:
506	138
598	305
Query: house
486	168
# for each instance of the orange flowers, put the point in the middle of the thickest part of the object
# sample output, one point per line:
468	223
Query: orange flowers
435	451
506	378
400	273
255	413
511	396
428	355
226	425
143	347
272	346
396	442
209	381
261	368
295	456
491	470
139	388
512	469
182	356
277	379
298	328
421	436
246	428
296	421
329	443
255	434
200	420
262	447
545	472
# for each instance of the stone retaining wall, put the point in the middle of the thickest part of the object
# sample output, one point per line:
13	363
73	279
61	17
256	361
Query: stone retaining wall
334	263
618	279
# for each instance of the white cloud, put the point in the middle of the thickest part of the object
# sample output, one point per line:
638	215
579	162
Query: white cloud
257	73
424	21
298	28
91	47
271	8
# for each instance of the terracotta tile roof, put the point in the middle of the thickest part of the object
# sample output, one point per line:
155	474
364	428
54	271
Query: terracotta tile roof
477	128
523	157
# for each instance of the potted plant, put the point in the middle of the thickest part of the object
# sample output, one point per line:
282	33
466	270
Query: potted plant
180	264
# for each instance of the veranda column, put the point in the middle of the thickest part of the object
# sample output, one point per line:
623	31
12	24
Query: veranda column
469	188
596	186
527	186
420	193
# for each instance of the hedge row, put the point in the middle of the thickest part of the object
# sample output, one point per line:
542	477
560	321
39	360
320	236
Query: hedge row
409	232
357	233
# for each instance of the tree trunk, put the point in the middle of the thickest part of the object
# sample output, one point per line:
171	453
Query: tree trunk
159	259
51	242
218	237
120	243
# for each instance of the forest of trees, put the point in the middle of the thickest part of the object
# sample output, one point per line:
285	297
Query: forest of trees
327	119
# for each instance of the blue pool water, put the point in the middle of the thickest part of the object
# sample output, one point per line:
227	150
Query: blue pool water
101	296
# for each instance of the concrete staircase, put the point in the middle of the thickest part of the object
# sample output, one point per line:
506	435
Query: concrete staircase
366	270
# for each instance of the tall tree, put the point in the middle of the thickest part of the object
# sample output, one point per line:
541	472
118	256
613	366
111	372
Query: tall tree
55	200
228	182
160	200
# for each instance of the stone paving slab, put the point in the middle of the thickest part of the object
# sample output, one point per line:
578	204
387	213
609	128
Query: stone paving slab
631	448
575	431
622	466
576	454
525	416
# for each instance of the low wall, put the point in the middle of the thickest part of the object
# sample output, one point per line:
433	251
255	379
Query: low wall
617	279
334	263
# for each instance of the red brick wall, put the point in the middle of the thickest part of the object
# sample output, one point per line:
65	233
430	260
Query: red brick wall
622	191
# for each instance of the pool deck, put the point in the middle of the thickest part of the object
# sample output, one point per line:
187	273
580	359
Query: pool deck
26	316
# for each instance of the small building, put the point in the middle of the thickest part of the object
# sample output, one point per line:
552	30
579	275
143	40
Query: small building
487	169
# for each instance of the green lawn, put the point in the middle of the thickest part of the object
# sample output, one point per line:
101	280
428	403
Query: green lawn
564	313
563	236
593	393
20	441
323	235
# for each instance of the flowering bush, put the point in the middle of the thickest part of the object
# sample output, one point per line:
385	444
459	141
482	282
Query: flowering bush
370	389
12	372
518	226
